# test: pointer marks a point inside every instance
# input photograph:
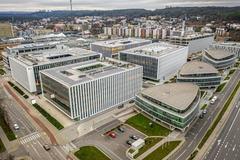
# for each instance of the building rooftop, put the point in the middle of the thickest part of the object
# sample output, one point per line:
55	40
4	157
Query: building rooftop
120	42
219	53
197	67
192	36
177	95
33	45
86	71
53	55
155	49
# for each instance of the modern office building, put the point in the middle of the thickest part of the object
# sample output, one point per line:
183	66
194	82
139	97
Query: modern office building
85	89
232	47
111	48
25	67
196	42
159	60
219	58
28	48
200	73
176	104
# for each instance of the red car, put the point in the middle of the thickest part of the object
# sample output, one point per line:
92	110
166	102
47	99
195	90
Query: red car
112	134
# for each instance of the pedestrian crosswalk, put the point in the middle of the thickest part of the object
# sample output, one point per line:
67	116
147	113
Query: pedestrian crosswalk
29	138
68	147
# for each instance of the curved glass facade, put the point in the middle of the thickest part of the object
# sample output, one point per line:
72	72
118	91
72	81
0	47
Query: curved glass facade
169	114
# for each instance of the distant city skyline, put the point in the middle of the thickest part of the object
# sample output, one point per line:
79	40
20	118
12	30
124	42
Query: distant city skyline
30	5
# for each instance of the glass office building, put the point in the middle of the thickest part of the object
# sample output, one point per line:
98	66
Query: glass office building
176	104
159	60
200	73
219	58
85	89
111	48
25	67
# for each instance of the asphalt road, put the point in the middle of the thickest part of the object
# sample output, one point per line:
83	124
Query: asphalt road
196	133
31	140
227	144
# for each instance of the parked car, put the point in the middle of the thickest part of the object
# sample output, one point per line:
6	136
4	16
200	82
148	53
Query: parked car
134	137
46	147
204	111
121	129
129	142
16	126
213	99
112	134
201	116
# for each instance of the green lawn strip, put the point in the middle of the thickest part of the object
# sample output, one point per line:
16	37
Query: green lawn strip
231	71
204	107
141	123
220	87
2	72
227	78
202	93
7	130
51	119
90	153
193	155
149	142
162	151
18	90
2	147
219	116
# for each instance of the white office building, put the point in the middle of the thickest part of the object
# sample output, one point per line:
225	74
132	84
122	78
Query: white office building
25	67
196	42
85	89
232	47
159	60
111	48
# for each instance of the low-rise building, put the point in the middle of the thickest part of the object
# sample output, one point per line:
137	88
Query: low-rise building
200	73
232	47
111	48
219	58
85	89
176	104
159	60
25	67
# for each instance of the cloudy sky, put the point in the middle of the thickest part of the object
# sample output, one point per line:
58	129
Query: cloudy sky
33	5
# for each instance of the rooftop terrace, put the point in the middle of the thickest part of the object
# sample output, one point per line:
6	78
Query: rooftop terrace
53	55
120	42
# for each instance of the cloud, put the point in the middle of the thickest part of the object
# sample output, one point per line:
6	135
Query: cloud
33	5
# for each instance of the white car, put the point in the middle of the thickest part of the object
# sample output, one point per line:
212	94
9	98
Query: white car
213	99
16	126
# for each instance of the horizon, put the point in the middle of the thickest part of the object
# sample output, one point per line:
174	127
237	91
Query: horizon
105	5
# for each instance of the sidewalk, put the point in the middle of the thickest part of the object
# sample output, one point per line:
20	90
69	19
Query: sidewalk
171	137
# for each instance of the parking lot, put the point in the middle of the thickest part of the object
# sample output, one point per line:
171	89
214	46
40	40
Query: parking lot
114	146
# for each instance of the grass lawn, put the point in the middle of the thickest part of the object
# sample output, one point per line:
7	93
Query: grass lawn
90	153
220	87
51	119
2	147
219	117
227	78
7	130
204	107
231	71
162	151
149	142
202	93
193	155
2	72
141	123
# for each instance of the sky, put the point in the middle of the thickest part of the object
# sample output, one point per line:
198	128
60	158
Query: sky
35	5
